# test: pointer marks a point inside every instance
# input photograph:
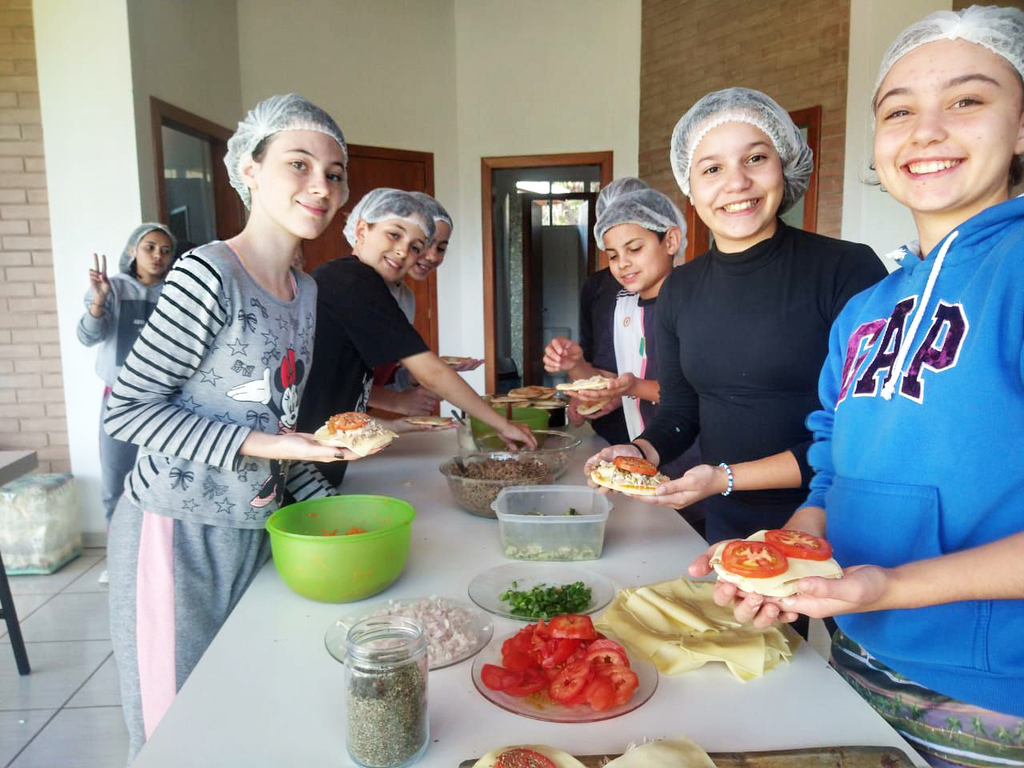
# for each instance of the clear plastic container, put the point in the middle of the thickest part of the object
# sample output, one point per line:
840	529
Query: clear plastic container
552	522
386	692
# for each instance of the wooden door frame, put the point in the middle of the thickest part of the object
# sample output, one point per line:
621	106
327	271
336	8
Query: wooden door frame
230	213
487	166
697	237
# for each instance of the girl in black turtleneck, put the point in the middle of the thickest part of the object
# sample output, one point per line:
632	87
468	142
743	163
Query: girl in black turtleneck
743	329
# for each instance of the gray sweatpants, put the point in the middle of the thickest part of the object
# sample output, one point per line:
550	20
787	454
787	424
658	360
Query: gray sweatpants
117	459
172	586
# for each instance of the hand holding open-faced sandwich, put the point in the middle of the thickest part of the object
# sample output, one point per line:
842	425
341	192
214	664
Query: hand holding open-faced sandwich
355	432
779	574
622	468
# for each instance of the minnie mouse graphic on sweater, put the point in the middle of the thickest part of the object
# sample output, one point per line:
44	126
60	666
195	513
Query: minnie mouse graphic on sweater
280	393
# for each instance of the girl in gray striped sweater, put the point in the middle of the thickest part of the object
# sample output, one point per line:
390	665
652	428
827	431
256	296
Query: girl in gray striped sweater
210	393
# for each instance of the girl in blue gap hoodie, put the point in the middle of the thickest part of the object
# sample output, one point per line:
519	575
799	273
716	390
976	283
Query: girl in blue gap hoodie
919	446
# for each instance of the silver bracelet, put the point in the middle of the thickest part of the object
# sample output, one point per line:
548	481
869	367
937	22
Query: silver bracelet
728	472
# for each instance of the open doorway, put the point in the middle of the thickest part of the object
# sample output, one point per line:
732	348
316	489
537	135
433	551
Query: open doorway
538	249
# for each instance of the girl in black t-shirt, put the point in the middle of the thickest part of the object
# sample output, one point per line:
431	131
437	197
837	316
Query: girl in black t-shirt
360	325
743	328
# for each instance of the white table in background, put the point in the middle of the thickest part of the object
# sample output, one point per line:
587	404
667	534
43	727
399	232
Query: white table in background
267	693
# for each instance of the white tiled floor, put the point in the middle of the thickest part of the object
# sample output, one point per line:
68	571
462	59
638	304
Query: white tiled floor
68	711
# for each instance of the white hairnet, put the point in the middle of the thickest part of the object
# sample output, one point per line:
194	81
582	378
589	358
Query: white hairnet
642	206
435	208
386	203
127	257
1001	30
285	112
616	188
744	105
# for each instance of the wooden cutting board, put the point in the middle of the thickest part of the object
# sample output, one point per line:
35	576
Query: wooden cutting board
813	757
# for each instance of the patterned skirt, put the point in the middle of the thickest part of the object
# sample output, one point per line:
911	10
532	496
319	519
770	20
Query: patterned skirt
946	732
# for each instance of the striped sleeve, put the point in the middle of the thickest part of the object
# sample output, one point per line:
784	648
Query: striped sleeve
187	318
306	482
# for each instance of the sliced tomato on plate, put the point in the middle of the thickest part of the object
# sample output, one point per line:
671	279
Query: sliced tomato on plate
520	757
802	546
753	558
607	652
635	464
517	661
532	682
573	625
570	681
623	679
498	678
600	693
559	652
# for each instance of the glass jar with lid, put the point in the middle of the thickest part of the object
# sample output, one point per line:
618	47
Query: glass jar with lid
386	692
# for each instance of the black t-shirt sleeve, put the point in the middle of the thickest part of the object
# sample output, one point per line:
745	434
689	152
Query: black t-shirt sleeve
859	268
678	420
355	300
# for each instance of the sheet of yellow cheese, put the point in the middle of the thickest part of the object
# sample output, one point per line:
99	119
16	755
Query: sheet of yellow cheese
677	625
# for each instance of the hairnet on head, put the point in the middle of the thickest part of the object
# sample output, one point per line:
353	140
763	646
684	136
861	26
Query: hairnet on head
1000	30
386	203
744	105
437	211
285	112
642	206
616	188
125	262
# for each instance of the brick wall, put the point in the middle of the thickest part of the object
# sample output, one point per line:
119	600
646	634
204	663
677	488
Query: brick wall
793	50
31	386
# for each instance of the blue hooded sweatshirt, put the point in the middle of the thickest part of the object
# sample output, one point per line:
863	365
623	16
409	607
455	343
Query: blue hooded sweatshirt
930	460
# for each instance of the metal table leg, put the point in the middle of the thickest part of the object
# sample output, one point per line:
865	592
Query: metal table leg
8	613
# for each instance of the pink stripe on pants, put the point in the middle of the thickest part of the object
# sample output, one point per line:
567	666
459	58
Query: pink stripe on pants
154	618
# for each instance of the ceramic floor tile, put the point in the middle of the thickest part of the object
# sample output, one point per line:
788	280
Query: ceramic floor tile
58	671
18	728
25	605
95	737
90	580
55	582
102	689
69	616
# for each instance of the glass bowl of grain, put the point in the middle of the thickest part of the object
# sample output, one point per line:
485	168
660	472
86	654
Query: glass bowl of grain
475	480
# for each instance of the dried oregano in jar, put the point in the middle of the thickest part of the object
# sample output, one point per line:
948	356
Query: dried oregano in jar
386	692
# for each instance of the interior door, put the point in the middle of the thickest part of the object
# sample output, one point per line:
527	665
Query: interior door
533	294
368	169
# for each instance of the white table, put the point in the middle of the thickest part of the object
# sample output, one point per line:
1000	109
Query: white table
267	693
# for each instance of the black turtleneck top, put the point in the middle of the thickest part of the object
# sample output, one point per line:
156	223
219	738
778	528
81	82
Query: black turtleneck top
741	339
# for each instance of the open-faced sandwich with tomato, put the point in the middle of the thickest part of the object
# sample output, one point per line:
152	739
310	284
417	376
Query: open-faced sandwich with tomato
770	563
356	431
565	661
528	756
680	752
628	474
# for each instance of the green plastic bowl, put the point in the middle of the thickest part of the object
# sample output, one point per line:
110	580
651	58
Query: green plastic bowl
534	418
318	560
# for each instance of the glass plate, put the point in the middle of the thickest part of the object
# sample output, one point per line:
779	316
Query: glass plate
485	589
539	707
477	622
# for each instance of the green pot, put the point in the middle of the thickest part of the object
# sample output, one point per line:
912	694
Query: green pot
316	558
534	418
